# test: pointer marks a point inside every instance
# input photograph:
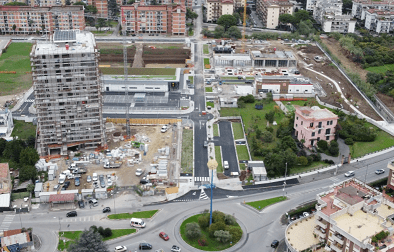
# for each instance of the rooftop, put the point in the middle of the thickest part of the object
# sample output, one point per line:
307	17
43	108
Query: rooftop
301	235
4	169
315	112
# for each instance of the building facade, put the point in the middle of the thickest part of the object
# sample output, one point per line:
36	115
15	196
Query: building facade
379	21
283	85
360	7
217	8
67	91
170	19
28	20
328	13
314	124
270	10
6	123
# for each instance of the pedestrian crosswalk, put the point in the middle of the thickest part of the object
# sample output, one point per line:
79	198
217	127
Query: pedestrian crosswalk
335	179
82	219
30	100
203	195
6	222
201	178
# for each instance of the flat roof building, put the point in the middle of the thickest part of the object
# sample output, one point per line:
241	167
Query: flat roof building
67	91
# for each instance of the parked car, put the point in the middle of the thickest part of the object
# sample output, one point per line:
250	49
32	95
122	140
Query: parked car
205	144
109	182
164	129
175	248
95	177
77	182
66	184
96	185
145	246
139	172
349	174
81	204
94	202
274	244
56	187
102	183
305	214
71	214
164	236
107	210
225	165
89	179
144	181
379	171
120	249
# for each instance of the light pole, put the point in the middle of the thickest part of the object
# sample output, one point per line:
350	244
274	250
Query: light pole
212	165
60	227
284	183
365	179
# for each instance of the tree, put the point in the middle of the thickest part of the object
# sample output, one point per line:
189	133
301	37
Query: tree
27	172
333	149
222	236
287	18
305	27
191	14
29	156
235	232
192	230
113	8
15	4
130	2
101	22
219	31
302	160
30	188
269	97
301	16
91	9
234	32
68	2
107	232
203	221
13	150
270	116
216	227
227	21
79	3
14	26
374	78
267	137
3	144
287	142
322	144
89	241
237	16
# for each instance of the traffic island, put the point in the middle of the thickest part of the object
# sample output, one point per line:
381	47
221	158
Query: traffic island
224	232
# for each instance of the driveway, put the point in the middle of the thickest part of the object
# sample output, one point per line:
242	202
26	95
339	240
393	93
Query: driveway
226	141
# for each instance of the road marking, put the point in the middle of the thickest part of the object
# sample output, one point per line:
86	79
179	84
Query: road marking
203	195
6	222
334	179
201	178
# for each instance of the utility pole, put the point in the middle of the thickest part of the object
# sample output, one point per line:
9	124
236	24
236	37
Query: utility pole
284	183
365	179
126	84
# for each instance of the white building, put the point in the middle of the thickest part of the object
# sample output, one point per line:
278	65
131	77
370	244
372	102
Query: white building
328	13
284	85
310	4
6	123
360	7
379	21
217	8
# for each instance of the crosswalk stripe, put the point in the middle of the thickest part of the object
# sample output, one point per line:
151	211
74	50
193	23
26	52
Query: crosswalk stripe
203	195
201	178
7	222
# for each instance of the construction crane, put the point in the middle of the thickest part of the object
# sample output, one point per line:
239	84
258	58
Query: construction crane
126	86
244	30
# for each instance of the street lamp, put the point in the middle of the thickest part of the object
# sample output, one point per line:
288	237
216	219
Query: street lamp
365	179
60	227
212	165
284	183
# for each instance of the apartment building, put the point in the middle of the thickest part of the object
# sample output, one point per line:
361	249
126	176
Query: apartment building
270	10
310	4
283	85
328	13
217	8
6	123
379	21
347	216
314	124
27	20
360	7
67	91
170	19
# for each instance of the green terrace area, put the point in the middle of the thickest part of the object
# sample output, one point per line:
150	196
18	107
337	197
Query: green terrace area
138	71
143	214
205	49
23	130
15	69
261	204
381	69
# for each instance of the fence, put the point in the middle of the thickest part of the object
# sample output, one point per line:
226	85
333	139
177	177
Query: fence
383	109
144	121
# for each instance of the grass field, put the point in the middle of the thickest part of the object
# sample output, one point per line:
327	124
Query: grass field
206	61
215	130
23	129
208	89
138	71
210	104
242	167
242	152
381	69
143	214
261	204
237	131
383	140
16	58
191	79
212	243
218	159
299	169
206	49
20	195
187	151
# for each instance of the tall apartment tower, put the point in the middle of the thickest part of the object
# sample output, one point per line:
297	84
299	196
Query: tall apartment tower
67	93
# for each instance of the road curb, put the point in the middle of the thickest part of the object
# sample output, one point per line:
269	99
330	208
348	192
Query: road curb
260	211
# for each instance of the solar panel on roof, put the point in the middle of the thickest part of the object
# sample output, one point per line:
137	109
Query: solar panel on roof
65	36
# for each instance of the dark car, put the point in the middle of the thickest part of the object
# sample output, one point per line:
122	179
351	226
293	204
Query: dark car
145	246
275	244
66	184
107	210
77	182
249	82
71	214
144	181
81	204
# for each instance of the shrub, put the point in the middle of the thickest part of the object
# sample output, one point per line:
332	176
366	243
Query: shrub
217	216
229	220
222	236
302	160
349	141
310	159
215	227
316	157
236	233
192	230
270	116
267	137
270	129
107	232
322	144
101	230
301	153
241	104
203	221
333	149
202	242
94	228
247	99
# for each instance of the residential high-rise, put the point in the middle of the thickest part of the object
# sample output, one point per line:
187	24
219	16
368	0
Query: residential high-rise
328	13
270	10
217	8
67	93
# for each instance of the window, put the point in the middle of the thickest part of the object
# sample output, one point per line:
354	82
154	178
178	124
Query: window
320	125
328	131
302	122
311	124
318	139
328	122
313	134
327	138
319	132
296	125
331	122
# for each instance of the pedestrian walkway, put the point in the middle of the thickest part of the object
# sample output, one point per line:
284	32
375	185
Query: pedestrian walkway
83	219
201	179
6	222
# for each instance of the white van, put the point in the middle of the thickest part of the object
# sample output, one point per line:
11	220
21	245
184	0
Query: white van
134	222
94	177
225	164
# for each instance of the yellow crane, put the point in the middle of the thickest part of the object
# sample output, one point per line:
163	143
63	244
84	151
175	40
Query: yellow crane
244	29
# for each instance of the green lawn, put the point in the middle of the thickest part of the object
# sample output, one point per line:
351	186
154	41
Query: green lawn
218	159
16	58
383	140
191	32
113	23
191	79
381	69
206	62
237	131
210	104
143	214
187	151
206	49
212	244
215	130
208	89
314	165
72	236
261	204
23	129
242	152
290	108
138	71
242	167
20	195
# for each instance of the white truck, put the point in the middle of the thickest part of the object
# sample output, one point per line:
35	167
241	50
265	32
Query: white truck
62	178
109	165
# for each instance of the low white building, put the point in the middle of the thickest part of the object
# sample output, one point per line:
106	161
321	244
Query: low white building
298	86
328	13
6	123
258	170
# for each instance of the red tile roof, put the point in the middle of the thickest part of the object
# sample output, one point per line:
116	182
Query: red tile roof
4	170
61	197
12	232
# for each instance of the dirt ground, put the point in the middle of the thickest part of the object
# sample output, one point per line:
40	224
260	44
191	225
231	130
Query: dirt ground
164	65
125	175
307	57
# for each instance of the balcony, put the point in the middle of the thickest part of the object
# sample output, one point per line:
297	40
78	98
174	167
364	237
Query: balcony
339	239
321	223
321	233
336	247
